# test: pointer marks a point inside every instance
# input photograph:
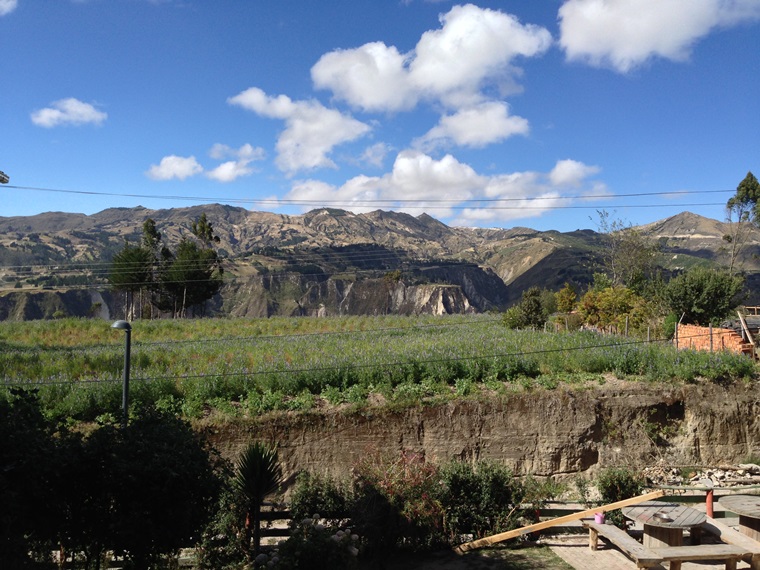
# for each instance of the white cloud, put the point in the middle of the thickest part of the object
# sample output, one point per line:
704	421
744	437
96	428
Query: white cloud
7	6
626	33
419	183
173	166
311	131
474	47
571	173
246	152
230	171
375	155
240	165
372	77
475	126
69	111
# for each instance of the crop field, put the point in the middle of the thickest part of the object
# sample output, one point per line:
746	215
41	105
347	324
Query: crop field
245	367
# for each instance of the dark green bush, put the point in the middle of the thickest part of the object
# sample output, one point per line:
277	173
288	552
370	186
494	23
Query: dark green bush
317	494
616	484
314	546
479	500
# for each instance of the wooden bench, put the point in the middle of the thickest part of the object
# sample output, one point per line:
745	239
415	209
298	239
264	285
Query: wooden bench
640	554
678	554
730	536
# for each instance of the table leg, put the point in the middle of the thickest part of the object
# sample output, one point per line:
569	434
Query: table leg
658	536
695	534
750	526
593	539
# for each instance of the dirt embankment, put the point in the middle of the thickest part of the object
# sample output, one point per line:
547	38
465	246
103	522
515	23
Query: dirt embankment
561	432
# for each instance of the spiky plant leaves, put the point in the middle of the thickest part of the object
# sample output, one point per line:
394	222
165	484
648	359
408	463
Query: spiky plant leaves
258	475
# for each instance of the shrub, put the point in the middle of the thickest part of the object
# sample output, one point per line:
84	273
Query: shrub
616	484
314	546
320	494
479	500
396	505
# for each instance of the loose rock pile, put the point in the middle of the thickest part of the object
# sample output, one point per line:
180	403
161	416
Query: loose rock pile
722	476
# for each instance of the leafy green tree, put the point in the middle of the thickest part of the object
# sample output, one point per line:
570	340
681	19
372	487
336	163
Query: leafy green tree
741	215
203	230
531	311
748	196
189	278
131	272
611	308
143	491
27	504
257	476
704	295
151	237
628	256
164	487
565	298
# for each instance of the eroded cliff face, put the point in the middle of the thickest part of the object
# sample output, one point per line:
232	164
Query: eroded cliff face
562	432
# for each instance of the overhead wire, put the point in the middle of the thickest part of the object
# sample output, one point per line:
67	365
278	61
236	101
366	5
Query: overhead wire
433	203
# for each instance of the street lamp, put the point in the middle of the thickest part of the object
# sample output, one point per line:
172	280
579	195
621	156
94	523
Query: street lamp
127	328
4	178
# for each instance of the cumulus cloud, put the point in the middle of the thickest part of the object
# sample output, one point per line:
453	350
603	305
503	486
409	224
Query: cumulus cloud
231	170
7	6
375	155
311	131
174	166
473	47
475	126
372	77
446	186
623	34
69	111
246	152
571	173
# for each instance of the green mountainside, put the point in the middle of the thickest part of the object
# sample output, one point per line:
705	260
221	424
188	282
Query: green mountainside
329	261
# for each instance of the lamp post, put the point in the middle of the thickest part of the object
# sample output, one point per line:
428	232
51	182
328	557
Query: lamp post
127	328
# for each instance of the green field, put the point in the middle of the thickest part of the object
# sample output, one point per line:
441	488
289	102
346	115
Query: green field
246	367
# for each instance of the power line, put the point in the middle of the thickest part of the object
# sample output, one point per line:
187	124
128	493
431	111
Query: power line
438	203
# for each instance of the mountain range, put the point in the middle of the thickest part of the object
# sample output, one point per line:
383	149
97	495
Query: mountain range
330	261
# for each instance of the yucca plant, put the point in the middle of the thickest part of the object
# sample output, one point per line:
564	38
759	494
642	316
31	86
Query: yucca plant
258	475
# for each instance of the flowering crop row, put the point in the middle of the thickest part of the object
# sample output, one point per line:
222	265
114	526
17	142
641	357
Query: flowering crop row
271	364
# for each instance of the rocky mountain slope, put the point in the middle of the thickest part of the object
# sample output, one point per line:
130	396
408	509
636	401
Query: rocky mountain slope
329	261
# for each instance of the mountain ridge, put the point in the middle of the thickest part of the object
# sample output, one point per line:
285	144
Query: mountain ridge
351	247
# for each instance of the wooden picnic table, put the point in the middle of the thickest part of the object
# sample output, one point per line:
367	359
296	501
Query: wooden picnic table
748	509
664	523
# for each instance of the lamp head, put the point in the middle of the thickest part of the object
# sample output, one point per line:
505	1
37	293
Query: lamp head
122	326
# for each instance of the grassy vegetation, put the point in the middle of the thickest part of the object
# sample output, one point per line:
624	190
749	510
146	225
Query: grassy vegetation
245	367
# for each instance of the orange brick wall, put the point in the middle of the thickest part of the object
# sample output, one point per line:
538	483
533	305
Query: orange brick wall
698	338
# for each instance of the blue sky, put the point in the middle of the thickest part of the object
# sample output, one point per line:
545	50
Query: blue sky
493	114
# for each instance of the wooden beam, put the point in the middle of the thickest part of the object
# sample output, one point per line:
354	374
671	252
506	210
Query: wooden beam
746	328
489	540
